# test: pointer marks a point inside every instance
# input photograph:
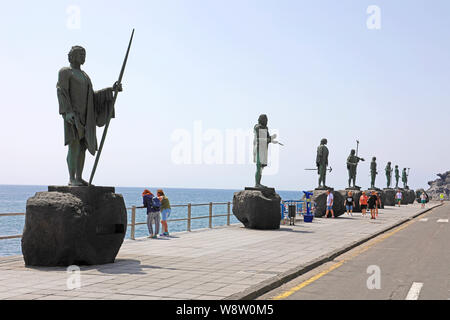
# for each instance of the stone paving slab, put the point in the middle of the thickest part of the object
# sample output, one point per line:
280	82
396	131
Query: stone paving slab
220	263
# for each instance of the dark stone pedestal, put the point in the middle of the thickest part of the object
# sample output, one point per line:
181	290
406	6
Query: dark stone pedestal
324	189
356	195
258	208
73	226
353	188
389	196
405	197
320	198
411	196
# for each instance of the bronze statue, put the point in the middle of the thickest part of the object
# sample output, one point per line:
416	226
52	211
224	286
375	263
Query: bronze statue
388	171
261	141
373	172
352	163
322	162
397	176
405	179
82	109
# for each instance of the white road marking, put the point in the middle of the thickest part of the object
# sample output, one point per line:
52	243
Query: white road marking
442	220
414	292
424	219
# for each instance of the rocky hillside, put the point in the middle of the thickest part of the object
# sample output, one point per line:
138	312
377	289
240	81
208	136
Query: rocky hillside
440	185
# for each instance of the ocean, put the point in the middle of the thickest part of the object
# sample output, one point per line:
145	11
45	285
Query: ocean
13	198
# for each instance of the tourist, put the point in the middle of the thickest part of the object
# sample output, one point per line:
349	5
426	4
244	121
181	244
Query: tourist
153	206
363	203
441	196
165	211
349	203
378	203
423	199
399	196
372	204
330	201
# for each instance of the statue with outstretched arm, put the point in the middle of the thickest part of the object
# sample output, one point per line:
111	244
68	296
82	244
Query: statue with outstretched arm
261	141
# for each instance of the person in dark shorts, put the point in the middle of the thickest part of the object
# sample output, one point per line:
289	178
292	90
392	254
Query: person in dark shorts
372	204
349	203
363	203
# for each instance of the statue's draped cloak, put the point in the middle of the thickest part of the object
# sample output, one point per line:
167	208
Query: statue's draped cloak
261	149
98	106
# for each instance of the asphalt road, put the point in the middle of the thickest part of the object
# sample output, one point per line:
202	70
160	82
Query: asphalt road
409	262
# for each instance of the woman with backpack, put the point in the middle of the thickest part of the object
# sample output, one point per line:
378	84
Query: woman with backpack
165	211
153	206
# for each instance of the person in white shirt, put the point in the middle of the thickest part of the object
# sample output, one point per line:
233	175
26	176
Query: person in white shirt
330	201
398	197
423	199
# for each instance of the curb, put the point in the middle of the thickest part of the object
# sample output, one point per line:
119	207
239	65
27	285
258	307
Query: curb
270	284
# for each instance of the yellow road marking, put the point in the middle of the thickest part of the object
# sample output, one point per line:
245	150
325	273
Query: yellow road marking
375	241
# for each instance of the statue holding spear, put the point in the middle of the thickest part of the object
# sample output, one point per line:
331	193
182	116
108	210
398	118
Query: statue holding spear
83	109
352	163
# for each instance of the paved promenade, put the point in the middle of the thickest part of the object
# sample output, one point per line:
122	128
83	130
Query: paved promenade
220	263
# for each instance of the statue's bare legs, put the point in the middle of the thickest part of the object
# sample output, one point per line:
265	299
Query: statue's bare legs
258	176
75	162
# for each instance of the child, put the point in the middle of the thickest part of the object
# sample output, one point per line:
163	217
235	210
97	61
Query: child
165	211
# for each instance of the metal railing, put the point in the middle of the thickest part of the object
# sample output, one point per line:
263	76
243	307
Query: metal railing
10	215
133	223
300	207
189	218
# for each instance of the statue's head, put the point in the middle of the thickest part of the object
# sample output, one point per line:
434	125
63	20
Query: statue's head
77	54
389	163
262	120
323	141
352	152
396	166
374	158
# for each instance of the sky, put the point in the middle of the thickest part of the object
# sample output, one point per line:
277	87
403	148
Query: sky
200	71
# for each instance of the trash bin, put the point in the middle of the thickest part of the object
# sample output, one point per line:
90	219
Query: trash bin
292	209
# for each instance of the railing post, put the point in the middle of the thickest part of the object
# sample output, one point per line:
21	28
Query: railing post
228	213
189	217
133	222
210	214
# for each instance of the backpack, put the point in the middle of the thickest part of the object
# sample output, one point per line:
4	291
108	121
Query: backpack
156	204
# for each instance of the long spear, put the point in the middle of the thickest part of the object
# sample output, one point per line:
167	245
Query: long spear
116	92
